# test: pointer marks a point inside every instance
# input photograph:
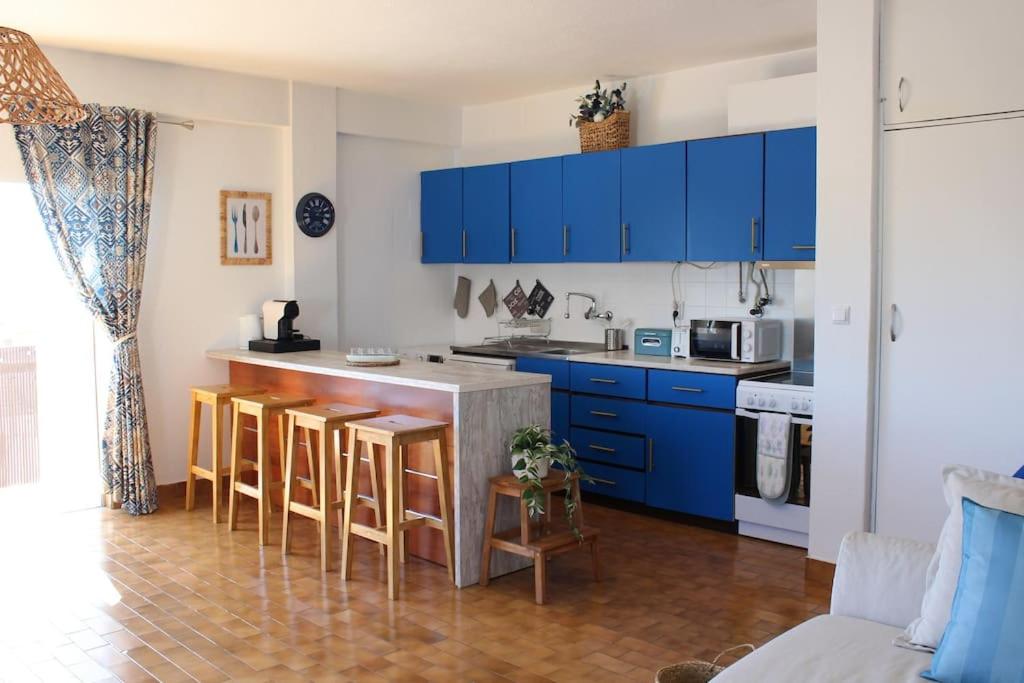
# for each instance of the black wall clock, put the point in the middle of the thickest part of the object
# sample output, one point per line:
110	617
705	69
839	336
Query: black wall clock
314	214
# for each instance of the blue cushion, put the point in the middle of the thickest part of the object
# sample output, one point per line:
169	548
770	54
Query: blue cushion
982	641
1020	473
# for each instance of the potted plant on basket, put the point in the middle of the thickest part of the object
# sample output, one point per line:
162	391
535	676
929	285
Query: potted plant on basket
532	456
602	119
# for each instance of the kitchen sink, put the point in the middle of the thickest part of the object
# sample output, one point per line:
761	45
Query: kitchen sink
524	347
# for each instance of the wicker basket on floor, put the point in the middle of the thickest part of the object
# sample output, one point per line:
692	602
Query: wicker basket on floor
695	671
612	133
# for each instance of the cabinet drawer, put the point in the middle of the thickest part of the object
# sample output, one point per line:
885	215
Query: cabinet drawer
692	388
609	380
558	369
616	482
615	449
607	413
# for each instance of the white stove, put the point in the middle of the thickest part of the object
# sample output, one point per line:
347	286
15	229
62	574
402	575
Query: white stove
788	392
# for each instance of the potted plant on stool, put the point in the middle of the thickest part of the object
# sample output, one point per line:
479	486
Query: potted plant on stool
532	456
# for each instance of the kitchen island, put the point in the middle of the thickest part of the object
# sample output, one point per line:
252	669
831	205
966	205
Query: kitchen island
481	406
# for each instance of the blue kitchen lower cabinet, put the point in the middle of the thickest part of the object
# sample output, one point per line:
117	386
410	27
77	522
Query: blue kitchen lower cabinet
559	416
616	482
691	461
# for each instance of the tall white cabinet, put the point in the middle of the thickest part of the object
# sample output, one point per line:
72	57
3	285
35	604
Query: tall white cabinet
951	387
950	58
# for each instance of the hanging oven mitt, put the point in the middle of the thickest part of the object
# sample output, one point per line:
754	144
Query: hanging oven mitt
515	301
462	297
540	300
489	299
773	456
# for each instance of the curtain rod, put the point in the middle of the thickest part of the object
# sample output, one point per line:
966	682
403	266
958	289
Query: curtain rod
188	124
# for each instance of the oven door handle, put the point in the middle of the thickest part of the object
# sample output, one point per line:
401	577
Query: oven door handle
740	412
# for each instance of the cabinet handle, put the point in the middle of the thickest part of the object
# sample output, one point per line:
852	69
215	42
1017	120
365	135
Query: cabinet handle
692	390
422	238
603	413
892	322
606	482
650	454
602	380
753	235
565	240
463	243
899	93
513	242
625	238
803	247
602	449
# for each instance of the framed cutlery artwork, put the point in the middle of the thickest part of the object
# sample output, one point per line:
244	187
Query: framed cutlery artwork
246	238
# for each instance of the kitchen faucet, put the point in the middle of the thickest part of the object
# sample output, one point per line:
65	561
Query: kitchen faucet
590	312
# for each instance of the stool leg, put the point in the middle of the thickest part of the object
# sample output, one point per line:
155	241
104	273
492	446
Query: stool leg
263	474
289	483
403	455
351	476
524	522
378	516
193	452
392	460
339	463
485	559
326	475
540	577
236	463
311	462
443	482
216	458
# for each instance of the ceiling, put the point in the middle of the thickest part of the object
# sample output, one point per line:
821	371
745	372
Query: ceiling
457	51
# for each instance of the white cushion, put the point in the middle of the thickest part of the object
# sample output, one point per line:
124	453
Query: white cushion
831	648
985	488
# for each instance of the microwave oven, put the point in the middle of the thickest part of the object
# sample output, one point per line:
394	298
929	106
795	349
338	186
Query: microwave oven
747	341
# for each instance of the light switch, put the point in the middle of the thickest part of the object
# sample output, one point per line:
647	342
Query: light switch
840	315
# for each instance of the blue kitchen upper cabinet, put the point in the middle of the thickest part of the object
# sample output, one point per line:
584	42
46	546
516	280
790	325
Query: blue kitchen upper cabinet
790	177
536	196
441	216
654	203
485	214
590	207
724	198
690	464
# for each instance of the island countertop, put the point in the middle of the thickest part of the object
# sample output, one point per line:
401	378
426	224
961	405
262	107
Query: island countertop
410	373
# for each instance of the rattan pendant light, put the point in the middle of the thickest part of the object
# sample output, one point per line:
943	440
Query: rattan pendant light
31	90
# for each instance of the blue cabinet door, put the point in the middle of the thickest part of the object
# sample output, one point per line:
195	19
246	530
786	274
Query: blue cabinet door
724	198
790	192
559	416
654	203
536	196
485	212
590	207
441	216
691	461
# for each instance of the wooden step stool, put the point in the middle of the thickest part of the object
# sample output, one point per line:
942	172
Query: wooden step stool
395	433
544	543
264	408
217	396
327	421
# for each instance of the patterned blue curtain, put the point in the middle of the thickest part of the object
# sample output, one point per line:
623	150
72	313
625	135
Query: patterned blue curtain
93	182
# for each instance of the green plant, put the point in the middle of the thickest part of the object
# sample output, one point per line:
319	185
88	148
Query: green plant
598	105
531	448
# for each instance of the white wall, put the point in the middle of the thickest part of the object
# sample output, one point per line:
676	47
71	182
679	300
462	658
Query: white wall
846	271
686	104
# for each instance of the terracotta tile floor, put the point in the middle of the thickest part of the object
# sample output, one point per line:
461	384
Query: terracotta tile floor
98	595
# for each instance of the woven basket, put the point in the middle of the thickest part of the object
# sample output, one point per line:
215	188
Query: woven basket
695	671
612	133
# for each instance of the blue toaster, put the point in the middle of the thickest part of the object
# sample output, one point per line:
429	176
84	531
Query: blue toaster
652	341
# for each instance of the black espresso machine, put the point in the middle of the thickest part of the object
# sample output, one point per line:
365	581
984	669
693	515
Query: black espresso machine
279	333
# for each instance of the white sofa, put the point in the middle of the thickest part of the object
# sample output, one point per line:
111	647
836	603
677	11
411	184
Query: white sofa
877	591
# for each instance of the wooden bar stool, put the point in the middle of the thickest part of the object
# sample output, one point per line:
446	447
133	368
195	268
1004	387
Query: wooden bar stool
395	433
217	396
544	542
264	408
327	421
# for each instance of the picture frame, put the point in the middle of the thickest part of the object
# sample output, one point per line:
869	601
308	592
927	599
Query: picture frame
246	232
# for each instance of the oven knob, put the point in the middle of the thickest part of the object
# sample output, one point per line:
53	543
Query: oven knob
795	405
760	402
806	406
771	403
750	400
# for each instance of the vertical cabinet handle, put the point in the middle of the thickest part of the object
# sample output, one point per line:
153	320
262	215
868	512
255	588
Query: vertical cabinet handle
625	238
463	243
565	240
422	238
899	93
650	454
513	242
753	235
893	312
